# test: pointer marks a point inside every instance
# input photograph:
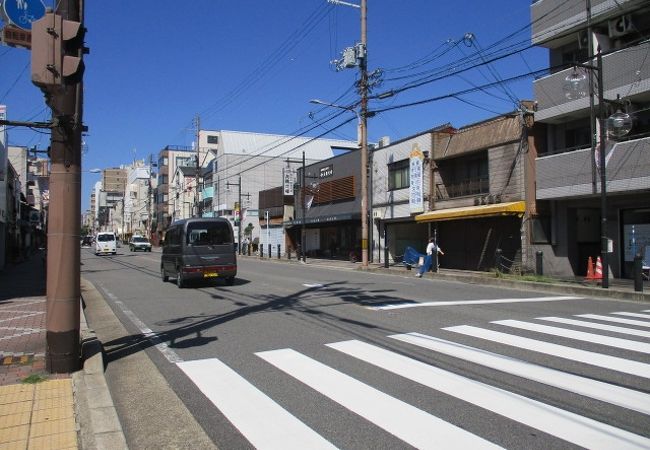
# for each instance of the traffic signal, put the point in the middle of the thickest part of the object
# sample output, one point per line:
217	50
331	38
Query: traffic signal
57	47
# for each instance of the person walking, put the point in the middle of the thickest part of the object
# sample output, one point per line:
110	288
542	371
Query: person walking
428	259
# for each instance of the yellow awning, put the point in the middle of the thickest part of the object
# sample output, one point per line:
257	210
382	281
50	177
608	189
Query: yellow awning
474	212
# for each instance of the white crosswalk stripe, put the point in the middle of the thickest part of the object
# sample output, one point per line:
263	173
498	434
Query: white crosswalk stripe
598	326
630	314
248	407
565	425
595	359
412	425
616	395
638	323
624	344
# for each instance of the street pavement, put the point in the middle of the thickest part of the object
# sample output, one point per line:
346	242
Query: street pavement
75	410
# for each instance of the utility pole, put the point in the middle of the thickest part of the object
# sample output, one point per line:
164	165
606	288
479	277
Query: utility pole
198	166
238	184
351	58
57	68
363	87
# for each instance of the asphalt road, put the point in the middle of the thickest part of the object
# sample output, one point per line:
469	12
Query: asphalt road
310	356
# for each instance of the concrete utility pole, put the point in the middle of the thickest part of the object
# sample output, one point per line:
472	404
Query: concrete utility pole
198	167
363	87
57	68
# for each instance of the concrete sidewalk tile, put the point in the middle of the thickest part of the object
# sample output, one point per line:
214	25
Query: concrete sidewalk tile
104	420
67	440
17	433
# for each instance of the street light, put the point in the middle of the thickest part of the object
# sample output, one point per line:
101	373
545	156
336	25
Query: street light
362	140
619	124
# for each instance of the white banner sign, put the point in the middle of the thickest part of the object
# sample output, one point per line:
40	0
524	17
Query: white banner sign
416	178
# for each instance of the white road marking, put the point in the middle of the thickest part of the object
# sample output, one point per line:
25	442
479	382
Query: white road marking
629	314
598	326
565	425
615	319
616	395
573	354
624	344
389	306
262	421
412	425
167	352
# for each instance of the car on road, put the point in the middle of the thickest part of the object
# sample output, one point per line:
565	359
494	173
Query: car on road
105	243
199	249
87	241
139	243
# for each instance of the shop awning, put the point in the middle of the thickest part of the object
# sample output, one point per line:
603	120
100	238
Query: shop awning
474	212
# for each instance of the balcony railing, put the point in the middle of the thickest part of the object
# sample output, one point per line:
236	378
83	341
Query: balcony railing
463	188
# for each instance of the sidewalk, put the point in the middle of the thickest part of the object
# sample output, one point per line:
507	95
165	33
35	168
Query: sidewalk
40	410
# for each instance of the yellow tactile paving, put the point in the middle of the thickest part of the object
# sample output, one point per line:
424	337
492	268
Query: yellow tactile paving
18	433
14	408
16	445
61	412
52	427
14	420
16	397
54	442
40	416
56	402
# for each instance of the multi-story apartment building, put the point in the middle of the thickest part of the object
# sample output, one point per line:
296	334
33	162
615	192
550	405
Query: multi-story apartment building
568	191
169	158
138	199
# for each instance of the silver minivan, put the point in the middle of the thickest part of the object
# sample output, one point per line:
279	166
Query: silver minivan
199	249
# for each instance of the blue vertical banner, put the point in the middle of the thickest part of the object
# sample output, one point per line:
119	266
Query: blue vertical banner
416	179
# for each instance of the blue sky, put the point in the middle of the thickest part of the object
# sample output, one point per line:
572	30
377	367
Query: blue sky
254	65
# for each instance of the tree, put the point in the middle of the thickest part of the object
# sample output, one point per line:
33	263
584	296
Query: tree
248	231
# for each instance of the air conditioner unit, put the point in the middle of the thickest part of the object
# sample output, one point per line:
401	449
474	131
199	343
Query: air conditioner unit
376	214
620	26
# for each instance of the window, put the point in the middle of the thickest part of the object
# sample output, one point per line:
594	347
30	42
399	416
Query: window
213	139
398	175
209	233
162	161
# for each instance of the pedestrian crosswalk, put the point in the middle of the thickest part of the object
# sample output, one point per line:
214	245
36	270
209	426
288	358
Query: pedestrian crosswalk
248	407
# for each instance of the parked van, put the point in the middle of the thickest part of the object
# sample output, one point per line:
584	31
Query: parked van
105	243
199	249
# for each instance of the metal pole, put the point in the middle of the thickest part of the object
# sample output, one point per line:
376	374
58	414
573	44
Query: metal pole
603	173
363	85
62	353
302	230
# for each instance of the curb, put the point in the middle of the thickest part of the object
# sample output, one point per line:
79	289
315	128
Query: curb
99	423
562	288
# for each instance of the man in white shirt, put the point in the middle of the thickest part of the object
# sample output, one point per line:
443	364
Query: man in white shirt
428	259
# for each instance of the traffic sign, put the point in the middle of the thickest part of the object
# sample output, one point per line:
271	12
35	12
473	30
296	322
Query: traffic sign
22	13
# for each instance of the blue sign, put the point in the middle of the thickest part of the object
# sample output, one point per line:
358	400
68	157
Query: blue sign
23	12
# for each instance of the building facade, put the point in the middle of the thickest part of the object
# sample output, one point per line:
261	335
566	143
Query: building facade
568	191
